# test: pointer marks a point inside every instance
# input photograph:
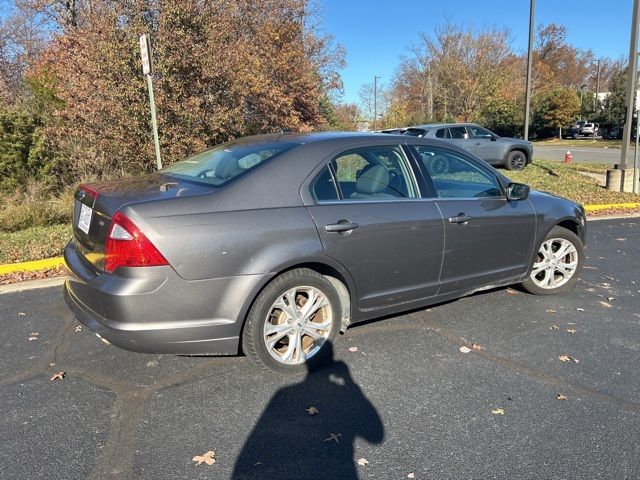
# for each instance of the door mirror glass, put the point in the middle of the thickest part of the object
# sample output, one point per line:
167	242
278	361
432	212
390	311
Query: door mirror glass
517	191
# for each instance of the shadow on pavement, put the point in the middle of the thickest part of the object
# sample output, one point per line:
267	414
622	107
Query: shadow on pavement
289	443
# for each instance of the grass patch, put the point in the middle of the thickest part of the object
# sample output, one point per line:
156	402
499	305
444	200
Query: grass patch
35	205
566	181
34	243
579	142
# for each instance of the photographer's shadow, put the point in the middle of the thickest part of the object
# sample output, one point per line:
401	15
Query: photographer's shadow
289	443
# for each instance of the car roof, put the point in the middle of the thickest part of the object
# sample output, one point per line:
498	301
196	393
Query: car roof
311	137
436	125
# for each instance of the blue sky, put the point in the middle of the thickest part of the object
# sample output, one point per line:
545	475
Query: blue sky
377	33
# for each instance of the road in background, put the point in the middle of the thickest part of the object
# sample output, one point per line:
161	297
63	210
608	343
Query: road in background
407	400
581	154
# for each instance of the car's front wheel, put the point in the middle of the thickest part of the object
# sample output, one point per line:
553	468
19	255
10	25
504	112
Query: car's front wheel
516	160
292	321
557	263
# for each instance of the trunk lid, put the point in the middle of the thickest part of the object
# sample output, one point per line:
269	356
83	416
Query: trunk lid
96	203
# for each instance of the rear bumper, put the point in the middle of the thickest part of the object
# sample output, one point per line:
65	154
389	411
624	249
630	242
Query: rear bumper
153	310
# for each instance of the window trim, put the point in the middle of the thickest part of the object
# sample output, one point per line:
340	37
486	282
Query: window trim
410	164
423	170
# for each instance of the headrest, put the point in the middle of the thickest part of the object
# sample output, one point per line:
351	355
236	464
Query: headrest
227	167
374	180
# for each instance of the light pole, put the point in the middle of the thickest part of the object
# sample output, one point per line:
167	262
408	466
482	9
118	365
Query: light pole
527	102
375	102
631	85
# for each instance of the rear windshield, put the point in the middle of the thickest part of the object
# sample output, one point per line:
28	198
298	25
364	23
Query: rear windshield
226	161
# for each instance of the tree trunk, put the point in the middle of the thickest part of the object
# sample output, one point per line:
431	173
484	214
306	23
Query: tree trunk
560	133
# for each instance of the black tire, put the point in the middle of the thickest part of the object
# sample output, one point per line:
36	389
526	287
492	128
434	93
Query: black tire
516	160
558	233
253	343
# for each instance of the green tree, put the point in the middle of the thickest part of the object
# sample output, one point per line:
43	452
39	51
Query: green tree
556	108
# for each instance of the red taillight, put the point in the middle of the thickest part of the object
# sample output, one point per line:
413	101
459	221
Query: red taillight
91	192
127	246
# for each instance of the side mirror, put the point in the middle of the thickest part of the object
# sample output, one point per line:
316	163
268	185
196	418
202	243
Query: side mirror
493	138
517	191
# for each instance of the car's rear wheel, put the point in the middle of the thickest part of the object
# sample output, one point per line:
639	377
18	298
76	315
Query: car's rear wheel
516	160
557	263
291	322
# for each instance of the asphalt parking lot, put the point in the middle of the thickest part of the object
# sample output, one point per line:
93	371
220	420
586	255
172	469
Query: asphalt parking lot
408	401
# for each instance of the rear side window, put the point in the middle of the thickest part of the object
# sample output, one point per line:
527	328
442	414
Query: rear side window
323	187
455	176
227	161
443	133
371	173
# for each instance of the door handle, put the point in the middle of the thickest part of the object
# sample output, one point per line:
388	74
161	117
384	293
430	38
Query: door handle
343	227
461	219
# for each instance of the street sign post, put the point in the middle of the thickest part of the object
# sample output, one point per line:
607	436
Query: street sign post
147	70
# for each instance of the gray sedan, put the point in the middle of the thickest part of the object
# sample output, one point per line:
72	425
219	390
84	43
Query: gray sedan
274	244
511	153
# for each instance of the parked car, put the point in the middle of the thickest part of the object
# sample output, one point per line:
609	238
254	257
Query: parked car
512	153
396	131
590	129
572	132
273	244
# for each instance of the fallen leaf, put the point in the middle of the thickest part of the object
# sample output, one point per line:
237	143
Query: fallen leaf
560	396
611	299
567	358
206	457
22	314
571	330
312	410
465	349
34	334
621	239
362	462
554	327
476	346
353	349
511	291
33	338
78	328
411	475
498	411
57	376
333	436
580	309
551	310
605	304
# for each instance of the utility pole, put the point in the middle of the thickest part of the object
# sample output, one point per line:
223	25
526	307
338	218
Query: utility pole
147	68
595	103
375	103
532	12
631	84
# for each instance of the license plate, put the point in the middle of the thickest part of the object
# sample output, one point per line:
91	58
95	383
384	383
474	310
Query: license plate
84	222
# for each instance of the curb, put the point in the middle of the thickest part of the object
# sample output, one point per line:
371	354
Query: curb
34	266
609	206
55	262
32	285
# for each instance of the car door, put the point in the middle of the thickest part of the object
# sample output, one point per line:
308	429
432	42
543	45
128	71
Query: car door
485	145
371	218
460	137
488	238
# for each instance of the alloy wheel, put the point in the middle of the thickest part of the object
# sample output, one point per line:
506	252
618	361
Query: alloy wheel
555	264
297	325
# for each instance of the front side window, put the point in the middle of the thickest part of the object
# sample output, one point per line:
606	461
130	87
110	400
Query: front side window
225	162
479	132
370	173
459	133
455	176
